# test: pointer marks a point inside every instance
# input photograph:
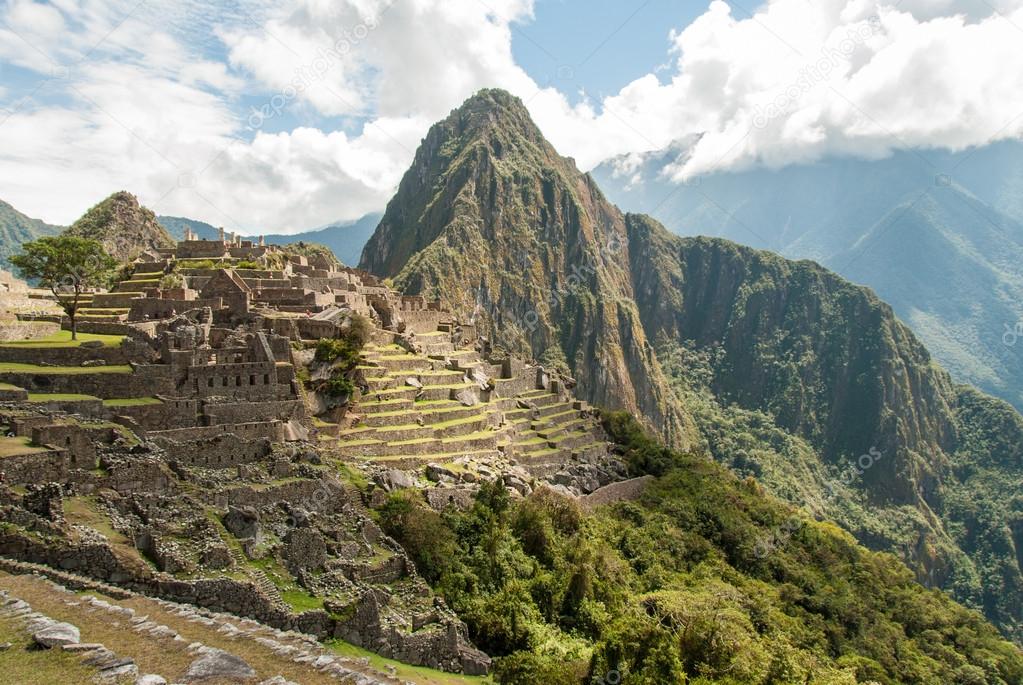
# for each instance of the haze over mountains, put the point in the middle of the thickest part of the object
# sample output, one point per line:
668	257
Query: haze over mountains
938	235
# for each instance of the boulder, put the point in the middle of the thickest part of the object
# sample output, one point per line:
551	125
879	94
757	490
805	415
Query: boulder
396	479
56	635
216	664
150	679
414	382
242	522
467	398
94	362
439	474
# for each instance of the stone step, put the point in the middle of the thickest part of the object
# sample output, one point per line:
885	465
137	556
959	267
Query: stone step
398	432
371	370
381	383
388	419
405	363
452	413
545	400
408	462
553	409
404	392
368	406
590	449
440	377
572	440
447	392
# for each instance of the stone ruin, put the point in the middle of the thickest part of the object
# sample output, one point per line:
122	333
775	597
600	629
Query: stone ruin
188	459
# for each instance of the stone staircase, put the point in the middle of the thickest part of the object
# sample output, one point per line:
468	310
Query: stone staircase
424	407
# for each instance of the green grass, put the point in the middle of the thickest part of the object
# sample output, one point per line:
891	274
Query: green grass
301	601
131	402
26	666
404	672
17	445
63	339
14	367
58	397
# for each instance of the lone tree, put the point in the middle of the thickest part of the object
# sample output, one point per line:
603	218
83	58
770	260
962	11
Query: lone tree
67	265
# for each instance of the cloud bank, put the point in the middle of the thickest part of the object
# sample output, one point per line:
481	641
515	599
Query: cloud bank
262	117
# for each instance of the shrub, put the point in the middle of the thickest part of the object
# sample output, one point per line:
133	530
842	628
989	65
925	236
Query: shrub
171	281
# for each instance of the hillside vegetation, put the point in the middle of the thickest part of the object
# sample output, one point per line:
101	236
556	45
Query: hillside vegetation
705	579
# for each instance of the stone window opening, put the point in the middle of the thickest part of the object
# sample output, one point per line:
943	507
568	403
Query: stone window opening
266	379
252	380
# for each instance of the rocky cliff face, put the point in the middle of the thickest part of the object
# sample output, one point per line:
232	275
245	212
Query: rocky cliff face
493	221
125	227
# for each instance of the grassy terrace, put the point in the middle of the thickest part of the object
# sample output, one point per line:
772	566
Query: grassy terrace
58	397
131	402
63	339
13	367
17	445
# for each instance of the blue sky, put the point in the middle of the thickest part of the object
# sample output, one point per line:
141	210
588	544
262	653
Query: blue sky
600	46
270	116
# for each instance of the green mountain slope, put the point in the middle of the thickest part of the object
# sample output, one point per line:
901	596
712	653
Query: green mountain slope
780	369
936	234
16	228
810	374
705	579
125	228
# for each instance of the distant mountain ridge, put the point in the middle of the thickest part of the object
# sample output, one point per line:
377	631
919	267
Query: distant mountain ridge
16	228
938	235
344	238
781	369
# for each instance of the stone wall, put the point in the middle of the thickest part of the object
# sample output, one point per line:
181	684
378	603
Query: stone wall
147	380
270	430
171	413
221	451
245	412
164	308
63	356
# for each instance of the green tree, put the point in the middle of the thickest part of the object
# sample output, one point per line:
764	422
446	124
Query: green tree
67	265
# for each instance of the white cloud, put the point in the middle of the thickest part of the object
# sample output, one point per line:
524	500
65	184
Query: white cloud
801	80
162	103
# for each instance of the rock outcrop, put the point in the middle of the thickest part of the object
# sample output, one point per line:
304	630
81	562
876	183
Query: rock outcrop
126	228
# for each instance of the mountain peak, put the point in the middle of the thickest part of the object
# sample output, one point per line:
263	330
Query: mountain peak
493	221
123	226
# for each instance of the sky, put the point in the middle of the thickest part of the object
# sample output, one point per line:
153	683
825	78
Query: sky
285	116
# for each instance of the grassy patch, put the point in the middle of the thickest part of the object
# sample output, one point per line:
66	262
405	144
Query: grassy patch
415	674
63	339
153	655
13	367
131	402
58	397
86	512
17	445
26	666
